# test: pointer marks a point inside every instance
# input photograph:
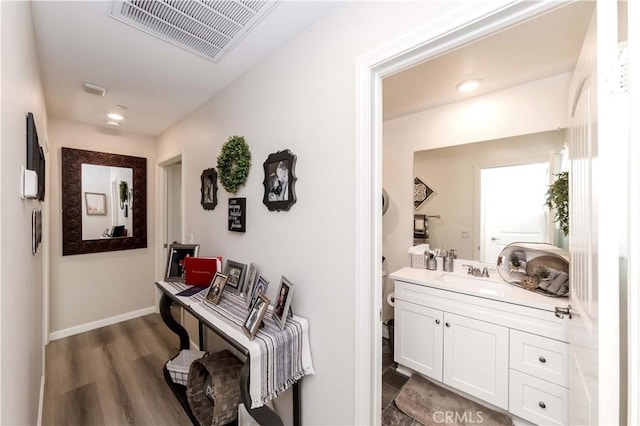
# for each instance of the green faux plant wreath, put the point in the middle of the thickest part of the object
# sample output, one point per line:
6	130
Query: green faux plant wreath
234	163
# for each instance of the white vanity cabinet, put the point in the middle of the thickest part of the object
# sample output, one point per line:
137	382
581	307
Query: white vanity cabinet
467	354
508	351
418	341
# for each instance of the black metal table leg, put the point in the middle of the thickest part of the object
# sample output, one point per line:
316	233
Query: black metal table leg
201	335
165	313
263	415
297	415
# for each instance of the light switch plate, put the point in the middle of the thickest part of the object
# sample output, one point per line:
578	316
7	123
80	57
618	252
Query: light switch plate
29	183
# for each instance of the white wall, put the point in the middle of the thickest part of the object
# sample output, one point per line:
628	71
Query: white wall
302	98
21	273
96	179
92	287
535	107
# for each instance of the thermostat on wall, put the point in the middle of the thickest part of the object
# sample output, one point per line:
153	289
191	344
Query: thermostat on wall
29	183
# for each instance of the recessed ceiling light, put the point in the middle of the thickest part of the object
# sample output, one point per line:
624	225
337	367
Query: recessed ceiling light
115	116
122	107
469	85
113	123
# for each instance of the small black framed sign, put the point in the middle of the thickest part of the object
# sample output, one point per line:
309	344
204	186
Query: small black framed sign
237	214
209	189
279	181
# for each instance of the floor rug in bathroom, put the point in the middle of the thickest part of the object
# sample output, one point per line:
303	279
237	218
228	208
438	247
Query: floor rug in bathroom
432	405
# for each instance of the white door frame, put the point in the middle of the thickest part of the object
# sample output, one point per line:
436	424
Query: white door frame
161	213
633	308
466	24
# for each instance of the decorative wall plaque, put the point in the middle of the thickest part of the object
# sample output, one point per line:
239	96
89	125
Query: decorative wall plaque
421	193
237	214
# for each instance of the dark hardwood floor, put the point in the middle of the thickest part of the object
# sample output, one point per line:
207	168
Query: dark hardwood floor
392	382
112	376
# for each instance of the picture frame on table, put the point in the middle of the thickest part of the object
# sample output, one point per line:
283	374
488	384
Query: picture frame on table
236	272
214	294
174	270
247	288
283	302
255	316
260	286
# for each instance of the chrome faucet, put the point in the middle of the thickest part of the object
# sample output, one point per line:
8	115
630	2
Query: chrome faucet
475	271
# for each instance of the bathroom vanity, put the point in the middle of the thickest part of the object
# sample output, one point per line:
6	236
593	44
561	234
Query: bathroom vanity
486	338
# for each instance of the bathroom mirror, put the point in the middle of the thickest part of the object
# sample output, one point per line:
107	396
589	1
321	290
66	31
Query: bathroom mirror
490	193
104	202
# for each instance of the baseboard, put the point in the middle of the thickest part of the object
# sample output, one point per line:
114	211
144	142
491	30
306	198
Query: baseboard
41	402
100	323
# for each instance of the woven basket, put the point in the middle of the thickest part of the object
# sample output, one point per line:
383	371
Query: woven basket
222	370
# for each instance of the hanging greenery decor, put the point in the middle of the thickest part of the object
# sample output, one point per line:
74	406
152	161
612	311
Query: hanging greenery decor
234	163
124	193
558	199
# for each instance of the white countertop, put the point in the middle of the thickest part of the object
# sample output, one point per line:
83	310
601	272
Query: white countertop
489	288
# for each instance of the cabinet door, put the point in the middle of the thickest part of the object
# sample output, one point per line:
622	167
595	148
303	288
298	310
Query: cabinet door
476	358
418	338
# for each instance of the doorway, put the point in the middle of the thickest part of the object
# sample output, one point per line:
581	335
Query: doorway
466	28
512	208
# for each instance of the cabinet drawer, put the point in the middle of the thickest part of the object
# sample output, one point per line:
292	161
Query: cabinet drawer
538	356
538	401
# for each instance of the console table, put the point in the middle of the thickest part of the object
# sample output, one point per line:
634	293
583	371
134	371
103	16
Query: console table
222	327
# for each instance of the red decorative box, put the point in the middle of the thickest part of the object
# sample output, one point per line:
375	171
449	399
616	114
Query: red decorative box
201	270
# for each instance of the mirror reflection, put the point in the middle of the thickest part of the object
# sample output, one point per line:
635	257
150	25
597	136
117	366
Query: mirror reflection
489	194
107	202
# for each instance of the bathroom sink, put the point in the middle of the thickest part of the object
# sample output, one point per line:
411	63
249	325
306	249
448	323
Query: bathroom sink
480	284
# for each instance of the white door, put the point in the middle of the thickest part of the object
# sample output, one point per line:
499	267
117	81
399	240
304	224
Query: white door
418	338
593	238
476	358
512	207
174	203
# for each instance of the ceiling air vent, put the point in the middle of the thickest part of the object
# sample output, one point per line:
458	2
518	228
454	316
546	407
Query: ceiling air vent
207	28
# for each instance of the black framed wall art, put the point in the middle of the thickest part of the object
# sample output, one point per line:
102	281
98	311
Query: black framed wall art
237	214
279	181
209	189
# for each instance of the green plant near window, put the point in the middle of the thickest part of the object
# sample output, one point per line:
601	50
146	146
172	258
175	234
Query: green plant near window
124	193
558	199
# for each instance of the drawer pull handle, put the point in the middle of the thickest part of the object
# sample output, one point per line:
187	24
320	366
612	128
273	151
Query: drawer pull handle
542	359
542	404
447	324
437	321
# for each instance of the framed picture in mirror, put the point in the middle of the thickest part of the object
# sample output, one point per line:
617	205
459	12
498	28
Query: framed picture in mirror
95	203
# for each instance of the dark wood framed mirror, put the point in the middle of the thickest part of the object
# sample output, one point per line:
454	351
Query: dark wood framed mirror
73	204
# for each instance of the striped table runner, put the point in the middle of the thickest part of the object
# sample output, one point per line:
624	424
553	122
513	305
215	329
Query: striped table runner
279	358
